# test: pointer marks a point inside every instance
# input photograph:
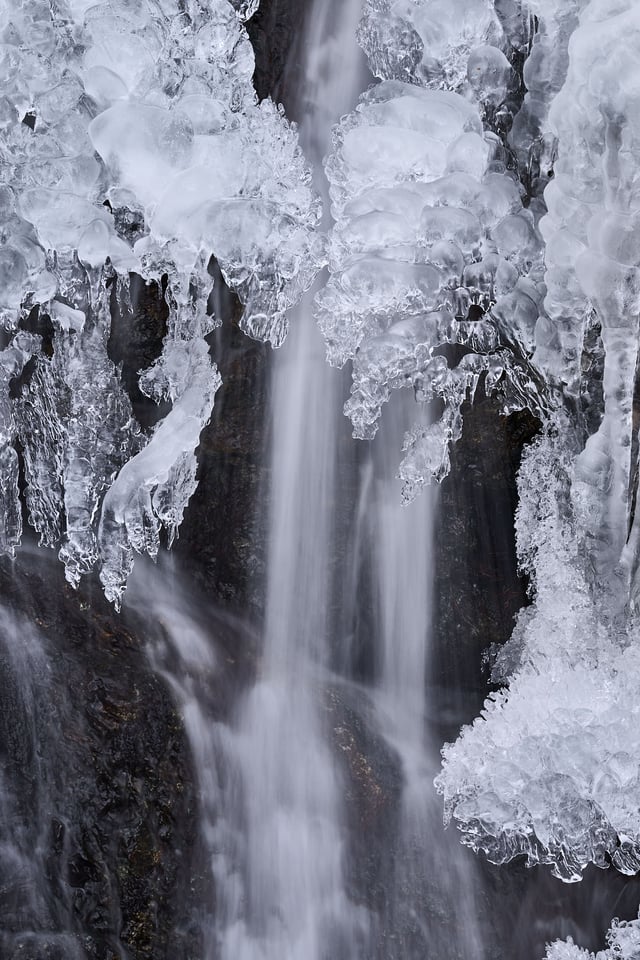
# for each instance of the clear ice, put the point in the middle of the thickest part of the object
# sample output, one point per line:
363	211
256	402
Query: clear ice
623	941
436	265
551	767
131	141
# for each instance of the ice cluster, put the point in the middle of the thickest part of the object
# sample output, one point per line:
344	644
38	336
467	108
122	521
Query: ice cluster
436	264
623	941
421	42
530	136
592	235
131	140
551	768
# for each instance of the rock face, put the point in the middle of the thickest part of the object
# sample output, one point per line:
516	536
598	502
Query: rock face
276	33
94	754
222	538
478	590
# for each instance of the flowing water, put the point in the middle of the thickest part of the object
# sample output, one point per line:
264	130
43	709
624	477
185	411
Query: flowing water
294	888
273	791
28	788
313	740
428	867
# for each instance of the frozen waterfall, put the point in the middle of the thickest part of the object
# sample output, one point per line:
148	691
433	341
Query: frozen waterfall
454	220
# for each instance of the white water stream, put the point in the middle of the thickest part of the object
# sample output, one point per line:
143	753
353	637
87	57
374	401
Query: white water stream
430	905
272	792
292	791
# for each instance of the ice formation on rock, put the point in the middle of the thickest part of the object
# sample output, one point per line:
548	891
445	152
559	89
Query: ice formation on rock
419	41
623	941
544	73
131	140
551	768
436	265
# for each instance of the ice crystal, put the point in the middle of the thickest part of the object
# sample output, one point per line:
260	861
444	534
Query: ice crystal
131	140
550	768
436	264
623	941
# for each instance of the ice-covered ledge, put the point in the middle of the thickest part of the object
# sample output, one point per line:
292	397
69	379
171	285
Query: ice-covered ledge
550	769
132	140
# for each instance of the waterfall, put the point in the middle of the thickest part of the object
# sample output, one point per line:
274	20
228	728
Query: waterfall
291	787
428	867
460	230
272	789
276	821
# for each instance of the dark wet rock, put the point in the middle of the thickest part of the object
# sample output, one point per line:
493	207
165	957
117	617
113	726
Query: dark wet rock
478	591
526	908
112	801
276	36
222	538
372	777
135	343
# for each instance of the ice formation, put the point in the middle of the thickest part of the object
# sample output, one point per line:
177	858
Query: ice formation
551	768
131	140
623	941
436	264
544	73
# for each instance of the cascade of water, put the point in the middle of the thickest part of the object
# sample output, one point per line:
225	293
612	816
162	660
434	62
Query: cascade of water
294	847
429	867
36	906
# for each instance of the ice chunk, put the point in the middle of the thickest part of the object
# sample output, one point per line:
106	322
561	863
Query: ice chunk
590	232
426	230
550	768
145	146
258	214
544	73
623	941
43	441
153	488
489	74
421	41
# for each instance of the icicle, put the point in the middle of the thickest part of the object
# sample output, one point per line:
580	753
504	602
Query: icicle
131	140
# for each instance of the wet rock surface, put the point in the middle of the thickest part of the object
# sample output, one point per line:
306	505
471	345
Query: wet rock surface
111	810
222	538
478	590
276	32
372	776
